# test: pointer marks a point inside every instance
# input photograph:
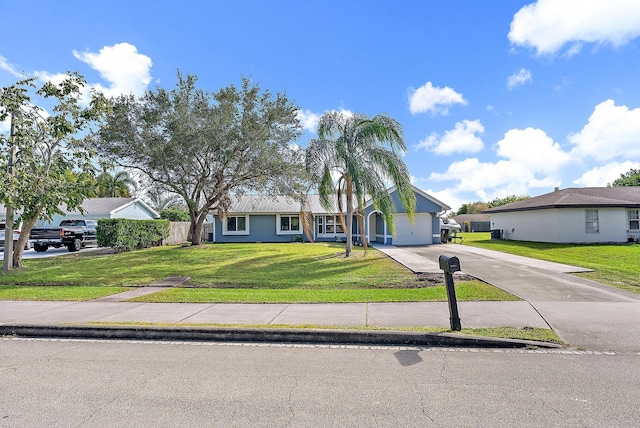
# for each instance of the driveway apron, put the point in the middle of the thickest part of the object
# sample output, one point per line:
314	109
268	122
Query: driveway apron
583	313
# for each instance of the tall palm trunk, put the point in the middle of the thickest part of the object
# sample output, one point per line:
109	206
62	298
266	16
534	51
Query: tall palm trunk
349	196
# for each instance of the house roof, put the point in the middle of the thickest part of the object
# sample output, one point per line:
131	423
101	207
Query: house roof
102	206
478	218
281	204
110	205
274	204
442	205
618	197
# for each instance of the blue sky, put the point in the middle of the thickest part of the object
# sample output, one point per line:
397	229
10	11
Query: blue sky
495	97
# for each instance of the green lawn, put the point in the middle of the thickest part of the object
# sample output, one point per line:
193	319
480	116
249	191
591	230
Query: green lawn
617	265
238	273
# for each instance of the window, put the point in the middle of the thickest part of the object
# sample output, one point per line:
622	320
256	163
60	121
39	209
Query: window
634	219
289	224
591	217
329	225
235	225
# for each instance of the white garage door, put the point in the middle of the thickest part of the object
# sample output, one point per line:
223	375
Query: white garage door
418	233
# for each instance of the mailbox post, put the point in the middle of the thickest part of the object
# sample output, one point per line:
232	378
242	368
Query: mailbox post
451	264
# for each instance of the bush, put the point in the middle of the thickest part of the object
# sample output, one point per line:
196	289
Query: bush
126	235
173	214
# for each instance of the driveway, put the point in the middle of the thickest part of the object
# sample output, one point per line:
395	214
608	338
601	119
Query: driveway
51	252
584	313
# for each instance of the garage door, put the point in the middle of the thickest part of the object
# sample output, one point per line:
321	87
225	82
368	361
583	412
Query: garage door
418	233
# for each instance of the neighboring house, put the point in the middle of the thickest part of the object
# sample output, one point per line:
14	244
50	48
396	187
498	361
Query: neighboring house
259	218
96	208
474	222
575	215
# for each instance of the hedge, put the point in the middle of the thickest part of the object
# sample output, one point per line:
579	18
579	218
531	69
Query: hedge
126	235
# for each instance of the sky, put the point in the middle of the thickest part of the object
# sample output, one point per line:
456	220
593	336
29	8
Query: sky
496	98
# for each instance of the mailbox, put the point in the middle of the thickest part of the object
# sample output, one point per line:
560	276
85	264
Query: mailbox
449	264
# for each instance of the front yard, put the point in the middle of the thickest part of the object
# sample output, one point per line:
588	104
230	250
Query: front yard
239	273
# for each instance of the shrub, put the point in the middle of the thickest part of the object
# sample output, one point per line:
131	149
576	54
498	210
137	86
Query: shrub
126	235
173	214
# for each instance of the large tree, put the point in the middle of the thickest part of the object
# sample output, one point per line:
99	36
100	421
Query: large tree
45	149
207	147
629	178
352	159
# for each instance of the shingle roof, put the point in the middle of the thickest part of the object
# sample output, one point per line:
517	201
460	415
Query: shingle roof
97	205
622	197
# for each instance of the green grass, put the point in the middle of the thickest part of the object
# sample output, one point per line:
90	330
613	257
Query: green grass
617	265
222	265
246	273
527	333
465	291
57	293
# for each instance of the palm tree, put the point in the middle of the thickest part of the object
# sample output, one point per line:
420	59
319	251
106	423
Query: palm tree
112	186
353	158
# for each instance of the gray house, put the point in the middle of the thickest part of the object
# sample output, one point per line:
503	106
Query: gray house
258	218
574	215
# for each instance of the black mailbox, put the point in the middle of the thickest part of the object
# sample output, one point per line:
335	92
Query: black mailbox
449	264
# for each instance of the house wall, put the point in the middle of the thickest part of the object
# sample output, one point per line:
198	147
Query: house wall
262	228
564	225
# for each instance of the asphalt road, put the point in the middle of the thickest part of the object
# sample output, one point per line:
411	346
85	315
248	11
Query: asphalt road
98	383
51	252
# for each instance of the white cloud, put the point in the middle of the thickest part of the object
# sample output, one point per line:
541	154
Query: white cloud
533	149
8	67
604	175
548	25
462	139
530	160
126	70
519	78
309	120
436	100
611	132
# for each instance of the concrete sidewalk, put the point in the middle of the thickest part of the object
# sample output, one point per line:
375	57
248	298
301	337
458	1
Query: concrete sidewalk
384	315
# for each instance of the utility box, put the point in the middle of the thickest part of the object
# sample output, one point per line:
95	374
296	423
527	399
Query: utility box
449	264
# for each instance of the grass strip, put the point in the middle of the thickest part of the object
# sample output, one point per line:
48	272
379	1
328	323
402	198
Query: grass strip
62	293
527	333
465	291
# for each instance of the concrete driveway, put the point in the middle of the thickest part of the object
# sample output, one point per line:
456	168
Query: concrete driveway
584	313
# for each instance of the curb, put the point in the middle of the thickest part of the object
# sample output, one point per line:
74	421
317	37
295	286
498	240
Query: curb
288	336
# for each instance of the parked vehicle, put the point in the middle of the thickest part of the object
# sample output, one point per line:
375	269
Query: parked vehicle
16	235
73	234
449	224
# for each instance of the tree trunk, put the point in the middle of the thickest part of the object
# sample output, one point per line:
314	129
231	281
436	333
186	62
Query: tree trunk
349	195
196	228
25	231
8	239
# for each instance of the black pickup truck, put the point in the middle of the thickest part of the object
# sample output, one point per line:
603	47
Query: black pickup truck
73	234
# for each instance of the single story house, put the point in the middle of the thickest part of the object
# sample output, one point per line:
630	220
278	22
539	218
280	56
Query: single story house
259	218
474	222
574	215
96	208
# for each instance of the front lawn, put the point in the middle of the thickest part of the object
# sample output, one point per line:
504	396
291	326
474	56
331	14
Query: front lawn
246	273
617	265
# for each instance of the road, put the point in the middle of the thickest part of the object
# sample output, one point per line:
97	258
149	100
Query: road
51	383
51	252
